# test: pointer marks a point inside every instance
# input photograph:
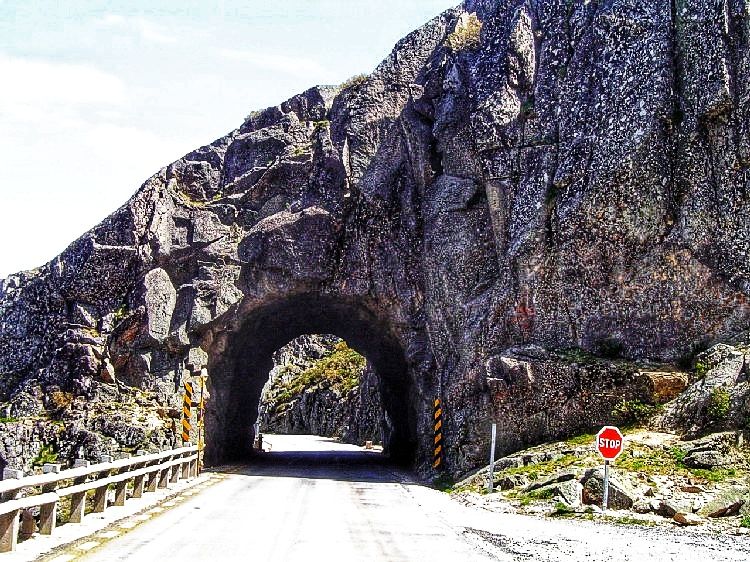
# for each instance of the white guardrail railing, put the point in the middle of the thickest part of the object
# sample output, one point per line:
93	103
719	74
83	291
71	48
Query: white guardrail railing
147	472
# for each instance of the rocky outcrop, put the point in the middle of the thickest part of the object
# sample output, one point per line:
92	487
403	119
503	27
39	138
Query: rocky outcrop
574	176
354	415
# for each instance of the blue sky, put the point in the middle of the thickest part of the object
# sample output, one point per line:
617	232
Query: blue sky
97	96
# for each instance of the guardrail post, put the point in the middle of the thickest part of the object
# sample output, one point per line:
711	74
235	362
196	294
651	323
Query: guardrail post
194	468
9	522
47	518
175	474
9	531
163	478
138	482
77	507
185	468
120	489
100	499
48	511
28	524
153	481
78	501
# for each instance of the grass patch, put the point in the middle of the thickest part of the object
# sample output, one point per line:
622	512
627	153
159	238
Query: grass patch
339	370
745	522
541	494
583	439
714	474
718	404
562	510
9	419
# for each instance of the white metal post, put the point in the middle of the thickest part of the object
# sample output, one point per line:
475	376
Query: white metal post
605	498
491	476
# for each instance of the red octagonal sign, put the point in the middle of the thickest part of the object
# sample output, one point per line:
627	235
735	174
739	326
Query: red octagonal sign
609	442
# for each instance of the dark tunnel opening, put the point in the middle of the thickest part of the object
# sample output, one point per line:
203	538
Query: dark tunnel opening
239	369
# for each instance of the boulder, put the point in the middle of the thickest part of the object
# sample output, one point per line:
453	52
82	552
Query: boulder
621	495
688	519
729	509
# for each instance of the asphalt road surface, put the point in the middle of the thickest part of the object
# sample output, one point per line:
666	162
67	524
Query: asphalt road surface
314	499
310	499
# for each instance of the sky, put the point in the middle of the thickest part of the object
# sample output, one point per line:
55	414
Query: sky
95	97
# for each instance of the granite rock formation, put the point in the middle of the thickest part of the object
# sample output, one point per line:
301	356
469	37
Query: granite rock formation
574	177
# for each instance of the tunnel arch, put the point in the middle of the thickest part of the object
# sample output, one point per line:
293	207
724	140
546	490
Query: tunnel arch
240	363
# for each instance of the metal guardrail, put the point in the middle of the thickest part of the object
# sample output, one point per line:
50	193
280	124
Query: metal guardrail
148	472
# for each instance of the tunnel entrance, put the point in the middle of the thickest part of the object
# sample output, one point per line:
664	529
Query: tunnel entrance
240	361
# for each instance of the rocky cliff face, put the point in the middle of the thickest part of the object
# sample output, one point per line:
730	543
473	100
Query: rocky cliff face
574	176
339	404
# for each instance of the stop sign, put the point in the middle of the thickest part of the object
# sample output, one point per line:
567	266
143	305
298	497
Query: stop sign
609	442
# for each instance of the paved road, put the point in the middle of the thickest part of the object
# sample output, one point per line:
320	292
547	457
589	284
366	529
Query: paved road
311	499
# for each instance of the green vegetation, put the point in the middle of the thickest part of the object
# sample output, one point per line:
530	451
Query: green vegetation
634	412
745	522
701	368
46	455
354	81
678	454
577	355
562	509
718	404
9	419
467	35
340	371
583	439
324	124
541	494
714	474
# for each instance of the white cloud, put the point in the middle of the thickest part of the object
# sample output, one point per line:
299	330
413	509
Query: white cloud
147	30
291	65
73	152
30	83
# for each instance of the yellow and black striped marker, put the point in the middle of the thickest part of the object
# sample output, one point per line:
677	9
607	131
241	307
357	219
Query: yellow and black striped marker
187	403
437	460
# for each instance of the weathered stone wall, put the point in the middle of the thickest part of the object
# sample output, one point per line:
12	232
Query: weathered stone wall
580	179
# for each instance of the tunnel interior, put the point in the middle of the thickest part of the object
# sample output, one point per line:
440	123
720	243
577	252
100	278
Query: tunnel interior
239	369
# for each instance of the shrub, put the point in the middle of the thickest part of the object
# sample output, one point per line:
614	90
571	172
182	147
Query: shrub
562	509
467	35
701	368
745	522
46	455
678	454
634	411
718	404
354	81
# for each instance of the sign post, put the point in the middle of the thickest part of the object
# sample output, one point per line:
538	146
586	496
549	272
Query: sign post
609	443
491	478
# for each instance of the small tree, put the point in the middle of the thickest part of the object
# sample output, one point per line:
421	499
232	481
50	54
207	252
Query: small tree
467	35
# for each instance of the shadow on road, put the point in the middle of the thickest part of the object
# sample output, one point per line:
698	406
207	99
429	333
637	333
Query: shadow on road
347	466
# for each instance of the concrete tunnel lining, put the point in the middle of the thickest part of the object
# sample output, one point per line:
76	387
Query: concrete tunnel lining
239	369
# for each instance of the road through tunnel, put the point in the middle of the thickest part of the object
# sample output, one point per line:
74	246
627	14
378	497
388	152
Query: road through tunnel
239	368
